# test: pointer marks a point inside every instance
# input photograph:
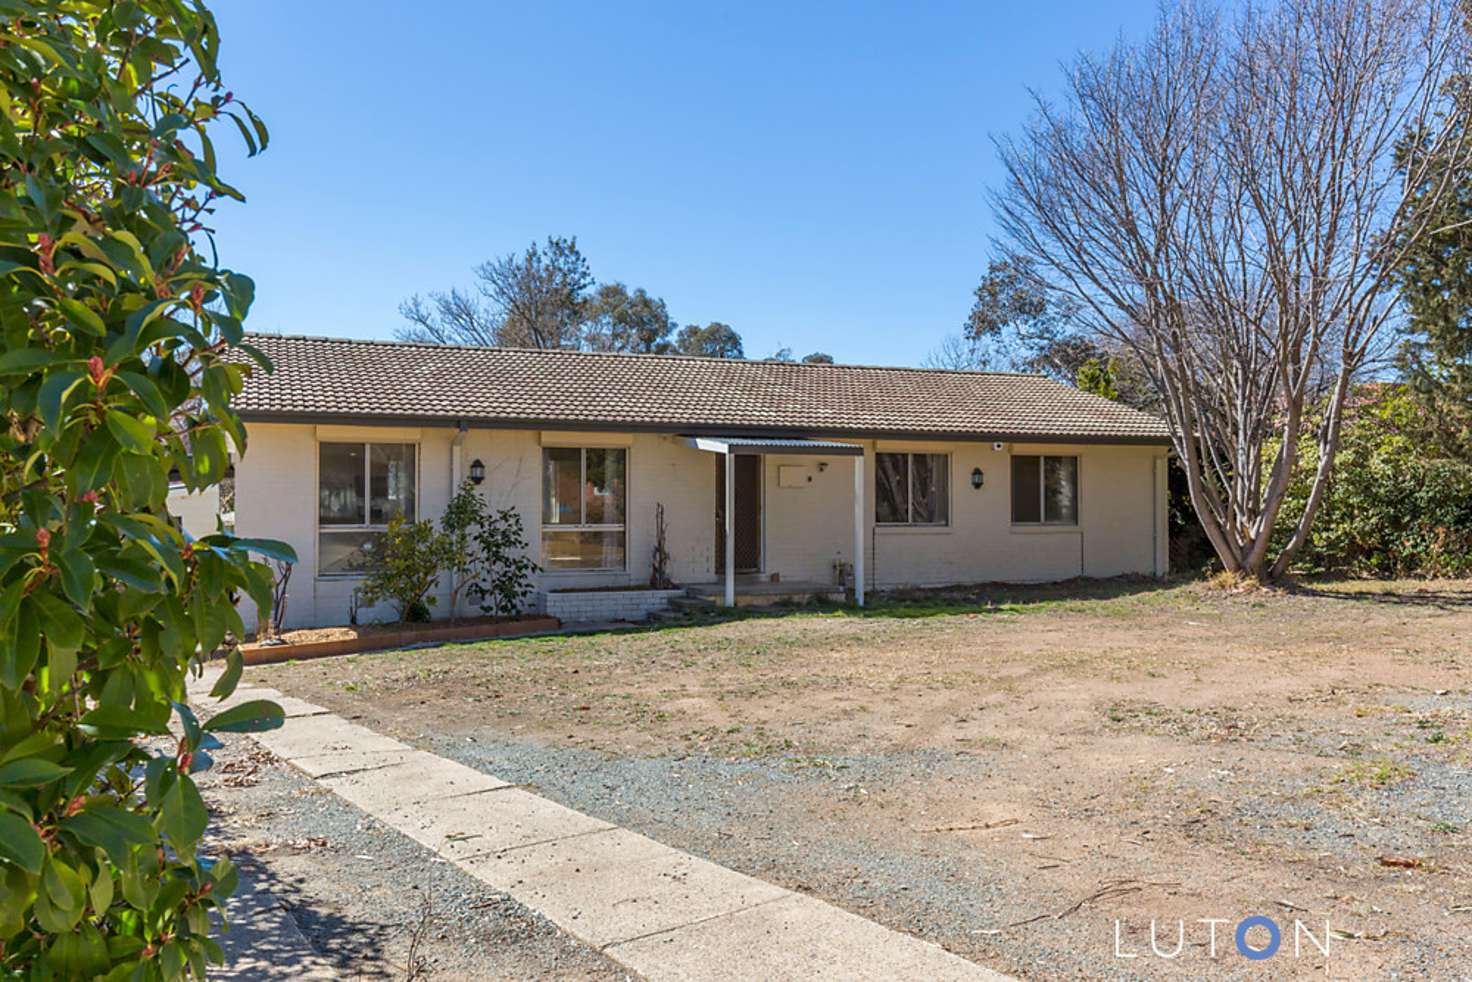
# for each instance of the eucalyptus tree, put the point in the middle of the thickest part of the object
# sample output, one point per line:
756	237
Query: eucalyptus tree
1224	200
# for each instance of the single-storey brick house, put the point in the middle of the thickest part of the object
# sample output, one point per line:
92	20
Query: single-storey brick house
878	477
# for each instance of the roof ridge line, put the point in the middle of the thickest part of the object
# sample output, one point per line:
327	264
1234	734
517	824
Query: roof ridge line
672	356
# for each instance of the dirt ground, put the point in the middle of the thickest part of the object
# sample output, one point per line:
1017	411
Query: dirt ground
1027	776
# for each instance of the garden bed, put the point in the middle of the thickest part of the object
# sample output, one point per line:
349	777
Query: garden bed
352	639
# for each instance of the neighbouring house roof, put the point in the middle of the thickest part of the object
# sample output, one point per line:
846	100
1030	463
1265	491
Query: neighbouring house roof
340	380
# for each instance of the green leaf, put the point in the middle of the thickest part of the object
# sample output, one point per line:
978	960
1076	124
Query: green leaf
131	572
23	361
77	576
20	843
54	391
230	677
184	815
248	717
149	538
62	626
146	391
142	479
270	548
121	723
192	732
92	467
19	656
31	772
130	431
110	828
82	316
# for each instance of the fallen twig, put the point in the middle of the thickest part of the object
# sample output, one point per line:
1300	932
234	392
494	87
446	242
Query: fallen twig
1399	862
979	827
1111	889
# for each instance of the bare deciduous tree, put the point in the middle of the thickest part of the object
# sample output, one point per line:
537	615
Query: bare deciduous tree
1224	200
536	299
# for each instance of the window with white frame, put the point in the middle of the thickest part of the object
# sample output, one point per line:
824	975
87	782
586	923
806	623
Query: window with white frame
1044	490
912	489
584	496
361	487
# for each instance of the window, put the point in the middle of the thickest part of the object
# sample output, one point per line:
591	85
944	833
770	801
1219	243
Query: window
360	487
1044	490
912	489
584	493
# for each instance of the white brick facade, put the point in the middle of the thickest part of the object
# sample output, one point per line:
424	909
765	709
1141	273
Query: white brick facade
585	606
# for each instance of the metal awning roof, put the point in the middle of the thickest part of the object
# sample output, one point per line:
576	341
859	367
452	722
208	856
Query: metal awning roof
778	445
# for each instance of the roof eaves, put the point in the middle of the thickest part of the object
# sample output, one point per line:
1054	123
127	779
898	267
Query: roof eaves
677	429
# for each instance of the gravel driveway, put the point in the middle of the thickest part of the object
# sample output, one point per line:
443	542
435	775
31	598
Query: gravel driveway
374	902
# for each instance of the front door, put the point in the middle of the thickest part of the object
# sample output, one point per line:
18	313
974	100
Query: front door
748	513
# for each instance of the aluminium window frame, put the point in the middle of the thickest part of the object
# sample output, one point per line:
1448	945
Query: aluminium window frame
1042	521
910	523
623	526
366	526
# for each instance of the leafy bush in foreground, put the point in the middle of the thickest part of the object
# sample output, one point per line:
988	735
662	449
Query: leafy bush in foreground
116	370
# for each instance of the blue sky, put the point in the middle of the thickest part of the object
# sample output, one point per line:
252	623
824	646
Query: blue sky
812	175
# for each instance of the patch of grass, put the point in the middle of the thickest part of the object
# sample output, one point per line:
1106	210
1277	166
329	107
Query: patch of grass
1226	582
1445	828
1378	773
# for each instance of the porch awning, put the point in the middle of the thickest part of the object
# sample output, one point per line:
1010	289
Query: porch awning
777	445
730	446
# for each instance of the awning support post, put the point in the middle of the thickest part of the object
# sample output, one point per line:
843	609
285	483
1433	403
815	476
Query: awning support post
859	530
730	517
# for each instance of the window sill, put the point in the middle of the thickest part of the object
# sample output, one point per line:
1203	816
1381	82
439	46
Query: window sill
1044	529
913	529
599	571
339	577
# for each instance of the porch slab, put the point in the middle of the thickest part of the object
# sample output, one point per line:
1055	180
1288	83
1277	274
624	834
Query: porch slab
764	593
483	824
794	937
416	777
617	885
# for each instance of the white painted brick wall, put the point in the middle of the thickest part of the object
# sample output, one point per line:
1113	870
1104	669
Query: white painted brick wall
606	605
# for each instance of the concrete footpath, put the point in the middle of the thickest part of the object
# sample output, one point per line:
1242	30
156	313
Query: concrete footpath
264	944
662	913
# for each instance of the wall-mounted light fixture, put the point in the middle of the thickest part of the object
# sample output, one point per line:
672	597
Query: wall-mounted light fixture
977	478
477	471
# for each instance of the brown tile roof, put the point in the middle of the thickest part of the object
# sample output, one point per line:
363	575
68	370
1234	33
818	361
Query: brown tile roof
327	379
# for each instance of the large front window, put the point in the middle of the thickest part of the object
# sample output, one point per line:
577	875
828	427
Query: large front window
584	494
1044	490
911	489
360	488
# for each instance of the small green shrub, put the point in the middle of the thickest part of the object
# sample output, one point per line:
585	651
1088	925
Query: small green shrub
487	552
410	558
